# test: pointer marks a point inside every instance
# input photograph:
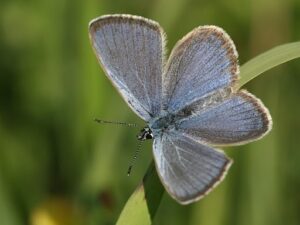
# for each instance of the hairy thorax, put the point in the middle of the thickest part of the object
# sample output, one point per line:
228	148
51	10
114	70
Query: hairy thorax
162	122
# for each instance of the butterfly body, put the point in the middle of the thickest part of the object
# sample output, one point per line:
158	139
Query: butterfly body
163	122
189	102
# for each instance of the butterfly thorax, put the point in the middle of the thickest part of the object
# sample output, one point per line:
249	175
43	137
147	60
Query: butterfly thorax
162	123
157	125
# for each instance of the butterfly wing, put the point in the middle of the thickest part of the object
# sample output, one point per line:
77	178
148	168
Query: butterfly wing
197	87
188	169
130	50
238	119
201	63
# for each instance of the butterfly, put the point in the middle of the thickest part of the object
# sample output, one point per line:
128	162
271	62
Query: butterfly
190	102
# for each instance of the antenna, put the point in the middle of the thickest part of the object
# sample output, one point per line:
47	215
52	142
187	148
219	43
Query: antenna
139	140
115	123
134	157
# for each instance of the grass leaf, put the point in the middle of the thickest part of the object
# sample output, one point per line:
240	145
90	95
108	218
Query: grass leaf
143	203
268	60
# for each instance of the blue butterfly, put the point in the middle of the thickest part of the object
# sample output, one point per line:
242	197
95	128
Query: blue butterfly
190	102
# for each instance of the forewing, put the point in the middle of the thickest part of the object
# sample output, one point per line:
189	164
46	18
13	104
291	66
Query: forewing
238	119
203	62
130	50
188	169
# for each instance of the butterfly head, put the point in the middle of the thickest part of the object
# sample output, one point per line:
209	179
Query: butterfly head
145	134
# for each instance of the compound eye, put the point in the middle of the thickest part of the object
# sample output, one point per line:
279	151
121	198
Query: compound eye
148	136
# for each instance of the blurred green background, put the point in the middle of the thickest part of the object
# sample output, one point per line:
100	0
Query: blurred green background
57	166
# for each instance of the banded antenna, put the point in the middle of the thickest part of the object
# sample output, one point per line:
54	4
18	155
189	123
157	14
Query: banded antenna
137	151
127	125
115	123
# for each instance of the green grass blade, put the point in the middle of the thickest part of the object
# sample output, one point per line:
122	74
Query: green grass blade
143	203
268	60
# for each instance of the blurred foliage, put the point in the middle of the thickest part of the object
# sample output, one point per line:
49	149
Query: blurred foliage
57	166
